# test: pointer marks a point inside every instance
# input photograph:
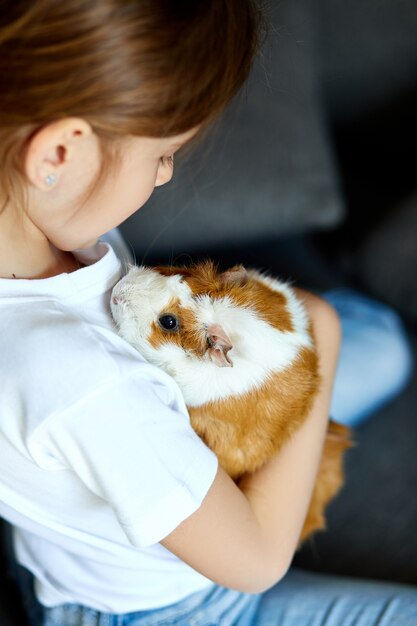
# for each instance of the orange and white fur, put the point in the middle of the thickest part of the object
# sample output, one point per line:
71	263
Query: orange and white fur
240	346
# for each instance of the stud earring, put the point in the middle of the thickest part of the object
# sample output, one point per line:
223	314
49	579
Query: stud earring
50	180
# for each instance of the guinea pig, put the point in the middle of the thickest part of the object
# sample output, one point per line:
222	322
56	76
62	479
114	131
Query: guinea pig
240	346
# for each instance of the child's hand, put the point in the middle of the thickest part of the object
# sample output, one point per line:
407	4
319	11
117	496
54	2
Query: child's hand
245	537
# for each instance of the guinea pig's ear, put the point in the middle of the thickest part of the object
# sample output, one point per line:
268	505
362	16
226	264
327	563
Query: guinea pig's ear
218	346
236	275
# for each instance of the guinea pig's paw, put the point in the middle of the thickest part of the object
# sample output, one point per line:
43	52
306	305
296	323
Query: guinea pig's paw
115	308
119	302
117	294
117	299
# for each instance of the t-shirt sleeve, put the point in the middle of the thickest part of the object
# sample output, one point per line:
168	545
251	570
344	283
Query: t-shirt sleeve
135	449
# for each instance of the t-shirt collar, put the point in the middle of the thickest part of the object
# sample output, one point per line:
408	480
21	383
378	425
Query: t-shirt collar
101	271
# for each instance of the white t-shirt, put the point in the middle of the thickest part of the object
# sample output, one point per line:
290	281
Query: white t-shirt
98	461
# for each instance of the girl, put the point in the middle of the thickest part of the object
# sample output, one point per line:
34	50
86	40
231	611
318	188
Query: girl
120	513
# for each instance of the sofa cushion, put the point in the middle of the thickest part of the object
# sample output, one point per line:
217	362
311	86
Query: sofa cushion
266	168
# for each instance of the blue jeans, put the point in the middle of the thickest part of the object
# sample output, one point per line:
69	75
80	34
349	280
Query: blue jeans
300	599
375	360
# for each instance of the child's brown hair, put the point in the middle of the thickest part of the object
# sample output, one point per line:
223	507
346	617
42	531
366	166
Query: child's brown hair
129	67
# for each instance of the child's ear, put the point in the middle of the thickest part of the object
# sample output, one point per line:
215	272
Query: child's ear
51	147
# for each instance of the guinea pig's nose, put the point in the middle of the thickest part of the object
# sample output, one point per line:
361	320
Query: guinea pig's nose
116	299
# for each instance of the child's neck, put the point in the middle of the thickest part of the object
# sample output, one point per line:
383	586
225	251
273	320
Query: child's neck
30	267
25	253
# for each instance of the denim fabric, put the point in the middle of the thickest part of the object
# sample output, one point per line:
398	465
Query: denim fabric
311	599
375	360
300	599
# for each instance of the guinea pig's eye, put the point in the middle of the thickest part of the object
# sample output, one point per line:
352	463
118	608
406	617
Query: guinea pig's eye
168	322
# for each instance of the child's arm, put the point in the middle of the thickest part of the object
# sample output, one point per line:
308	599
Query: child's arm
245	537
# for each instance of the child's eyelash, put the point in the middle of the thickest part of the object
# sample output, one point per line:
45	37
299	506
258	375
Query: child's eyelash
169	160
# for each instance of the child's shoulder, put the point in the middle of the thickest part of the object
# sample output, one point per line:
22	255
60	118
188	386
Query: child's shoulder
48	337
53	358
